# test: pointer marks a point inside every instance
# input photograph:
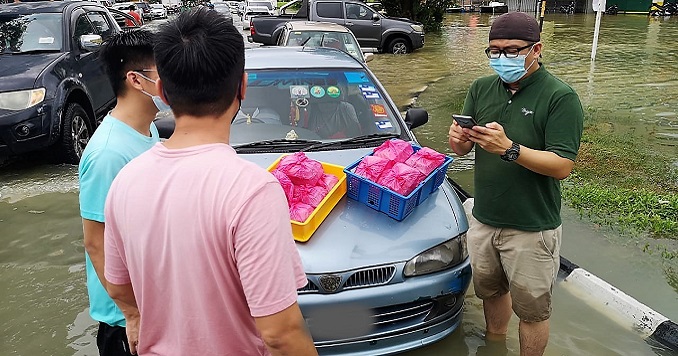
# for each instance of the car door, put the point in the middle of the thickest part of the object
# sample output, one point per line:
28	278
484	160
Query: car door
364	23
88	67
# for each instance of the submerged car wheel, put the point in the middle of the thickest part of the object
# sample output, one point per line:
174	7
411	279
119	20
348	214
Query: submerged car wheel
398	46
76	133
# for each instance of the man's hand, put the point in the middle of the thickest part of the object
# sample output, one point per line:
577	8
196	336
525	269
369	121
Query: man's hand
459	140
132	329
490	137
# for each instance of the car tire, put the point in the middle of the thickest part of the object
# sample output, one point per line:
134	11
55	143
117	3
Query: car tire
399	45
75	135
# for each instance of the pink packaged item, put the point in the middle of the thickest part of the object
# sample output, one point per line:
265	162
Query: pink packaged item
395	150
426	160
301	169
314	195
401	179
299	192
328	181
372	167
285	182
300	212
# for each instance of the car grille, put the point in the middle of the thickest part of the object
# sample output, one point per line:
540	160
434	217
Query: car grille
310	287
395	315
370	277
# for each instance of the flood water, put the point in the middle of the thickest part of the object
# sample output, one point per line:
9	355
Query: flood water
43	306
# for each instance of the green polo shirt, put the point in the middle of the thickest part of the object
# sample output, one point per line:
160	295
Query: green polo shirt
544	114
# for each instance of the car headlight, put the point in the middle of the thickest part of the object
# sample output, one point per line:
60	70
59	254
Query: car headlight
417	28
22	99
441	257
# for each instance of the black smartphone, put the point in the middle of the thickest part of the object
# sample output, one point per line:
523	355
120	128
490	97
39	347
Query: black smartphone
464	121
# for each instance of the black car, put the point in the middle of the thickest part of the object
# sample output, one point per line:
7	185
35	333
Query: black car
53	90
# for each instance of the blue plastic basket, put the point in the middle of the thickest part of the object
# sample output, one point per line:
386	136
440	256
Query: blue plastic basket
387	201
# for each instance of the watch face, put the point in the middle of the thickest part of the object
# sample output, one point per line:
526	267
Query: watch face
512	155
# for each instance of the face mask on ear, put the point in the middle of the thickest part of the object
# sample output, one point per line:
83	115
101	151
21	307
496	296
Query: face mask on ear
510	70
156	99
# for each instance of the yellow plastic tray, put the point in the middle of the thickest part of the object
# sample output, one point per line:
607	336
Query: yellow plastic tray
302	231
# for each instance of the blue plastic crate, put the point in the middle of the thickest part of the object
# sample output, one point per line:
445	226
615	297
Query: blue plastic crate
387	201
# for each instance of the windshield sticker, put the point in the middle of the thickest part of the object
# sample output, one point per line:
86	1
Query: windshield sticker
299	91
378	110
46	40
356	77
333	91
369	91
383	125
251	76
317	91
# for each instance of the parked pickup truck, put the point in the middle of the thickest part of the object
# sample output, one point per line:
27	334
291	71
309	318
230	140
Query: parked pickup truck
373	30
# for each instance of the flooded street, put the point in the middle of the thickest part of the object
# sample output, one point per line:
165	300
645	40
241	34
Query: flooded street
633	84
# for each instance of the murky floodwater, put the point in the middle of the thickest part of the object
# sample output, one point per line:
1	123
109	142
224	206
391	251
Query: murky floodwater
634	82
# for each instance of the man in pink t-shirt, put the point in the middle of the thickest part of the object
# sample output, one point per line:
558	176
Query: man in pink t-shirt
196	237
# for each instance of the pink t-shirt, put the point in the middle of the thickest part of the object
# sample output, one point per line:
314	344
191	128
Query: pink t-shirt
204	237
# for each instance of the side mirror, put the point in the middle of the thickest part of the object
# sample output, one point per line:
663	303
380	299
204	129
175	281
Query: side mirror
415	117
90	43
368	57
375	17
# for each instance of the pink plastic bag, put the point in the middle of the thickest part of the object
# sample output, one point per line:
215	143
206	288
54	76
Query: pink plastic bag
401	179
301	169
372	167
285	182
328	181
314	195
425	160
395	150
299	192
300	212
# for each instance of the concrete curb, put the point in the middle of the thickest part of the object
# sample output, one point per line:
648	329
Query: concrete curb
619	305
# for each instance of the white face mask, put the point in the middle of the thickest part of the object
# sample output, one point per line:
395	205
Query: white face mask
156	99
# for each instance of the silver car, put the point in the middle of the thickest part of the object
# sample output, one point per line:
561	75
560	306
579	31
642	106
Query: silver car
321	34
376	285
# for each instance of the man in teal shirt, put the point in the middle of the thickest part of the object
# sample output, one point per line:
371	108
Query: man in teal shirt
126	132
529	126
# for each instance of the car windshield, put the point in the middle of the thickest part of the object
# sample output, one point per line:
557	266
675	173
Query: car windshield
321	105
157	6
261	4
29	33
340	40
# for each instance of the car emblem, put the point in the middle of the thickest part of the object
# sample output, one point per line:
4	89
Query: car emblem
330	282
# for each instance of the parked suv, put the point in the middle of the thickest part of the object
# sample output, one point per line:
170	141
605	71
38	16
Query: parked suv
53	90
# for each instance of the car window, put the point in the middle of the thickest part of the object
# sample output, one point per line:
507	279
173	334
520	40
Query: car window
101	24
317	104
356	11
329	10
343	41
83	27
35	32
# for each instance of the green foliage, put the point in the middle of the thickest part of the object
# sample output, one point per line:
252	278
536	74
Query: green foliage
430	13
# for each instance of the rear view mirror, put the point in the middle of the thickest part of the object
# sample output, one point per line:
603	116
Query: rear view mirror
90	43
416	117
368	56
375	17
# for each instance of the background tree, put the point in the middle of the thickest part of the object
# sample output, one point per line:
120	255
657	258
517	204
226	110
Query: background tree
428	12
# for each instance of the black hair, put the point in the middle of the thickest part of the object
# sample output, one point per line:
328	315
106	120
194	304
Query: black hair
125	51
201	59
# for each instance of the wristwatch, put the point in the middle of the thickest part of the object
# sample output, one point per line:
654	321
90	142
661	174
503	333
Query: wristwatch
512	153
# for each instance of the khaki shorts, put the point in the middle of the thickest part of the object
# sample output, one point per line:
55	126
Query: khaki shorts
524	263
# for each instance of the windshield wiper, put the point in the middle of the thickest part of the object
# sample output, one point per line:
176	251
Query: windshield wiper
34	51
275	144
353	141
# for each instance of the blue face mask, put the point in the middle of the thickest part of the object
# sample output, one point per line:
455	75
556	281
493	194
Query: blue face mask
156	99
510	70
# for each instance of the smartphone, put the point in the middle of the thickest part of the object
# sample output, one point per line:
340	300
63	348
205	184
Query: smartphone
464	121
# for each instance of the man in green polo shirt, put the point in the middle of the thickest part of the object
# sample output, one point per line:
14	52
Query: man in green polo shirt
527	137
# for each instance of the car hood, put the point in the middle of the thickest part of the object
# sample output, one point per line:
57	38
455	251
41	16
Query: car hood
354	235
399	20
19	71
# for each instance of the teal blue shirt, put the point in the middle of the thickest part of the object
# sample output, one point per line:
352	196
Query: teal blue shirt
111	147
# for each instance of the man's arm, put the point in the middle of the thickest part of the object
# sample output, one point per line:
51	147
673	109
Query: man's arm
459	141
285	333
123	296
493	139
94	245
